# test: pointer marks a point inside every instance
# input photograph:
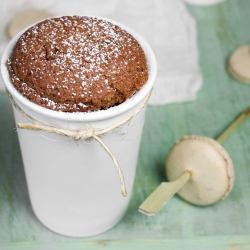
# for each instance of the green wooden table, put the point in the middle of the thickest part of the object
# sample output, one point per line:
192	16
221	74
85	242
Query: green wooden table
179	225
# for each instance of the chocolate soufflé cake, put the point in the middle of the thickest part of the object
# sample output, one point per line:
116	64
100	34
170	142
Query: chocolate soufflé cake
77	64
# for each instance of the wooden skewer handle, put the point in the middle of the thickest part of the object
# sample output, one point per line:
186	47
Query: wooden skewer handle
162	194
233	126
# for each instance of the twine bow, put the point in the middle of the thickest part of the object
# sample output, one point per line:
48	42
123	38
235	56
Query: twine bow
82	134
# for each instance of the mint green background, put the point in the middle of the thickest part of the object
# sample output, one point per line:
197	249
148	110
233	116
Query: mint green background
179	225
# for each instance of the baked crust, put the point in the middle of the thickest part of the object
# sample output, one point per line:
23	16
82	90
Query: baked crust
77	64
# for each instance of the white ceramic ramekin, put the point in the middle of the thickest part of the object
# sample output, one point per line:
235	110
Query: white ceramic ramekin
74	187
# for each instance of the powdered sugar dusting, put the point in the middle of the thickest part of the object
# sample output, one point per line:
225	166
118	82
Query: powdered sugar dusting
77	64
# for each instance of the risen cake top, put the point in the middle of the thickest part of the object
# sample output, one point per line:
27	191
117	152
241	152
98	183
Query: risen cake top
75	63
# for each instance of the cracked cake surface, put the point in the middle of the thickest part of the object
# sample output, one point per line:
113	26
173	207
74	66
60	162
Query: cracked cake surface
77	64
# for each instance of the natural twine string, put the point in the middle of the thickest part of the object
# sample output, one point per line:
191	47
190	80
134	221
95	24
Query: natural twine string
82	134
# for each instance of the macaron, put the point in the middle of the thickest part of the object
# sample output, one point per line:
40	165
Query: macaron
211	168
239	64
25	19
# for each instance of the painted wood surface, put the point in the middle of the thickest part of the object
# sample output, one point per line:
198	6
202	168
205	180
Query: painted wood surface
179	225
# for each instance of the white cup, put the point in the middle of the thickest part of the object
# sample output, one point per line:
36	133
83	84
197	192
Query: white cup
74	187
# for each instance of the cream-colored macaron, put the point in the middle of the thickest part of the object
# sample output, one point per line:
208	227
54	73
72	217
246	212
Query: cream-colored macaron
24	19
239	64
211	168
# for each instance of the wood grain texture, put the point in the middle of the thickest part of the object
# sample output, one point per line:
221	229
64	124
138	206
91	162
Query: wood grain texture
226	225
204	243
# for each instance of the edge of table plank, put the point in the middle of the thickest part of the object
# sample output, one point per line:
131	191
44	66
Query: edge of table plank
222	243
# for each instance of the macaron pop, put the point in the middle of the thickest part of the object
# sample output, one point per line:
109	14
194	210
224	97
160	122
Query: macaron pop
199	169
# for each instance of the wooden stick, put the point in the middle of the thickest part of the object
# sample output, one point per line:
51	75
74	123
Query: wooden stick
233	126
162	194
